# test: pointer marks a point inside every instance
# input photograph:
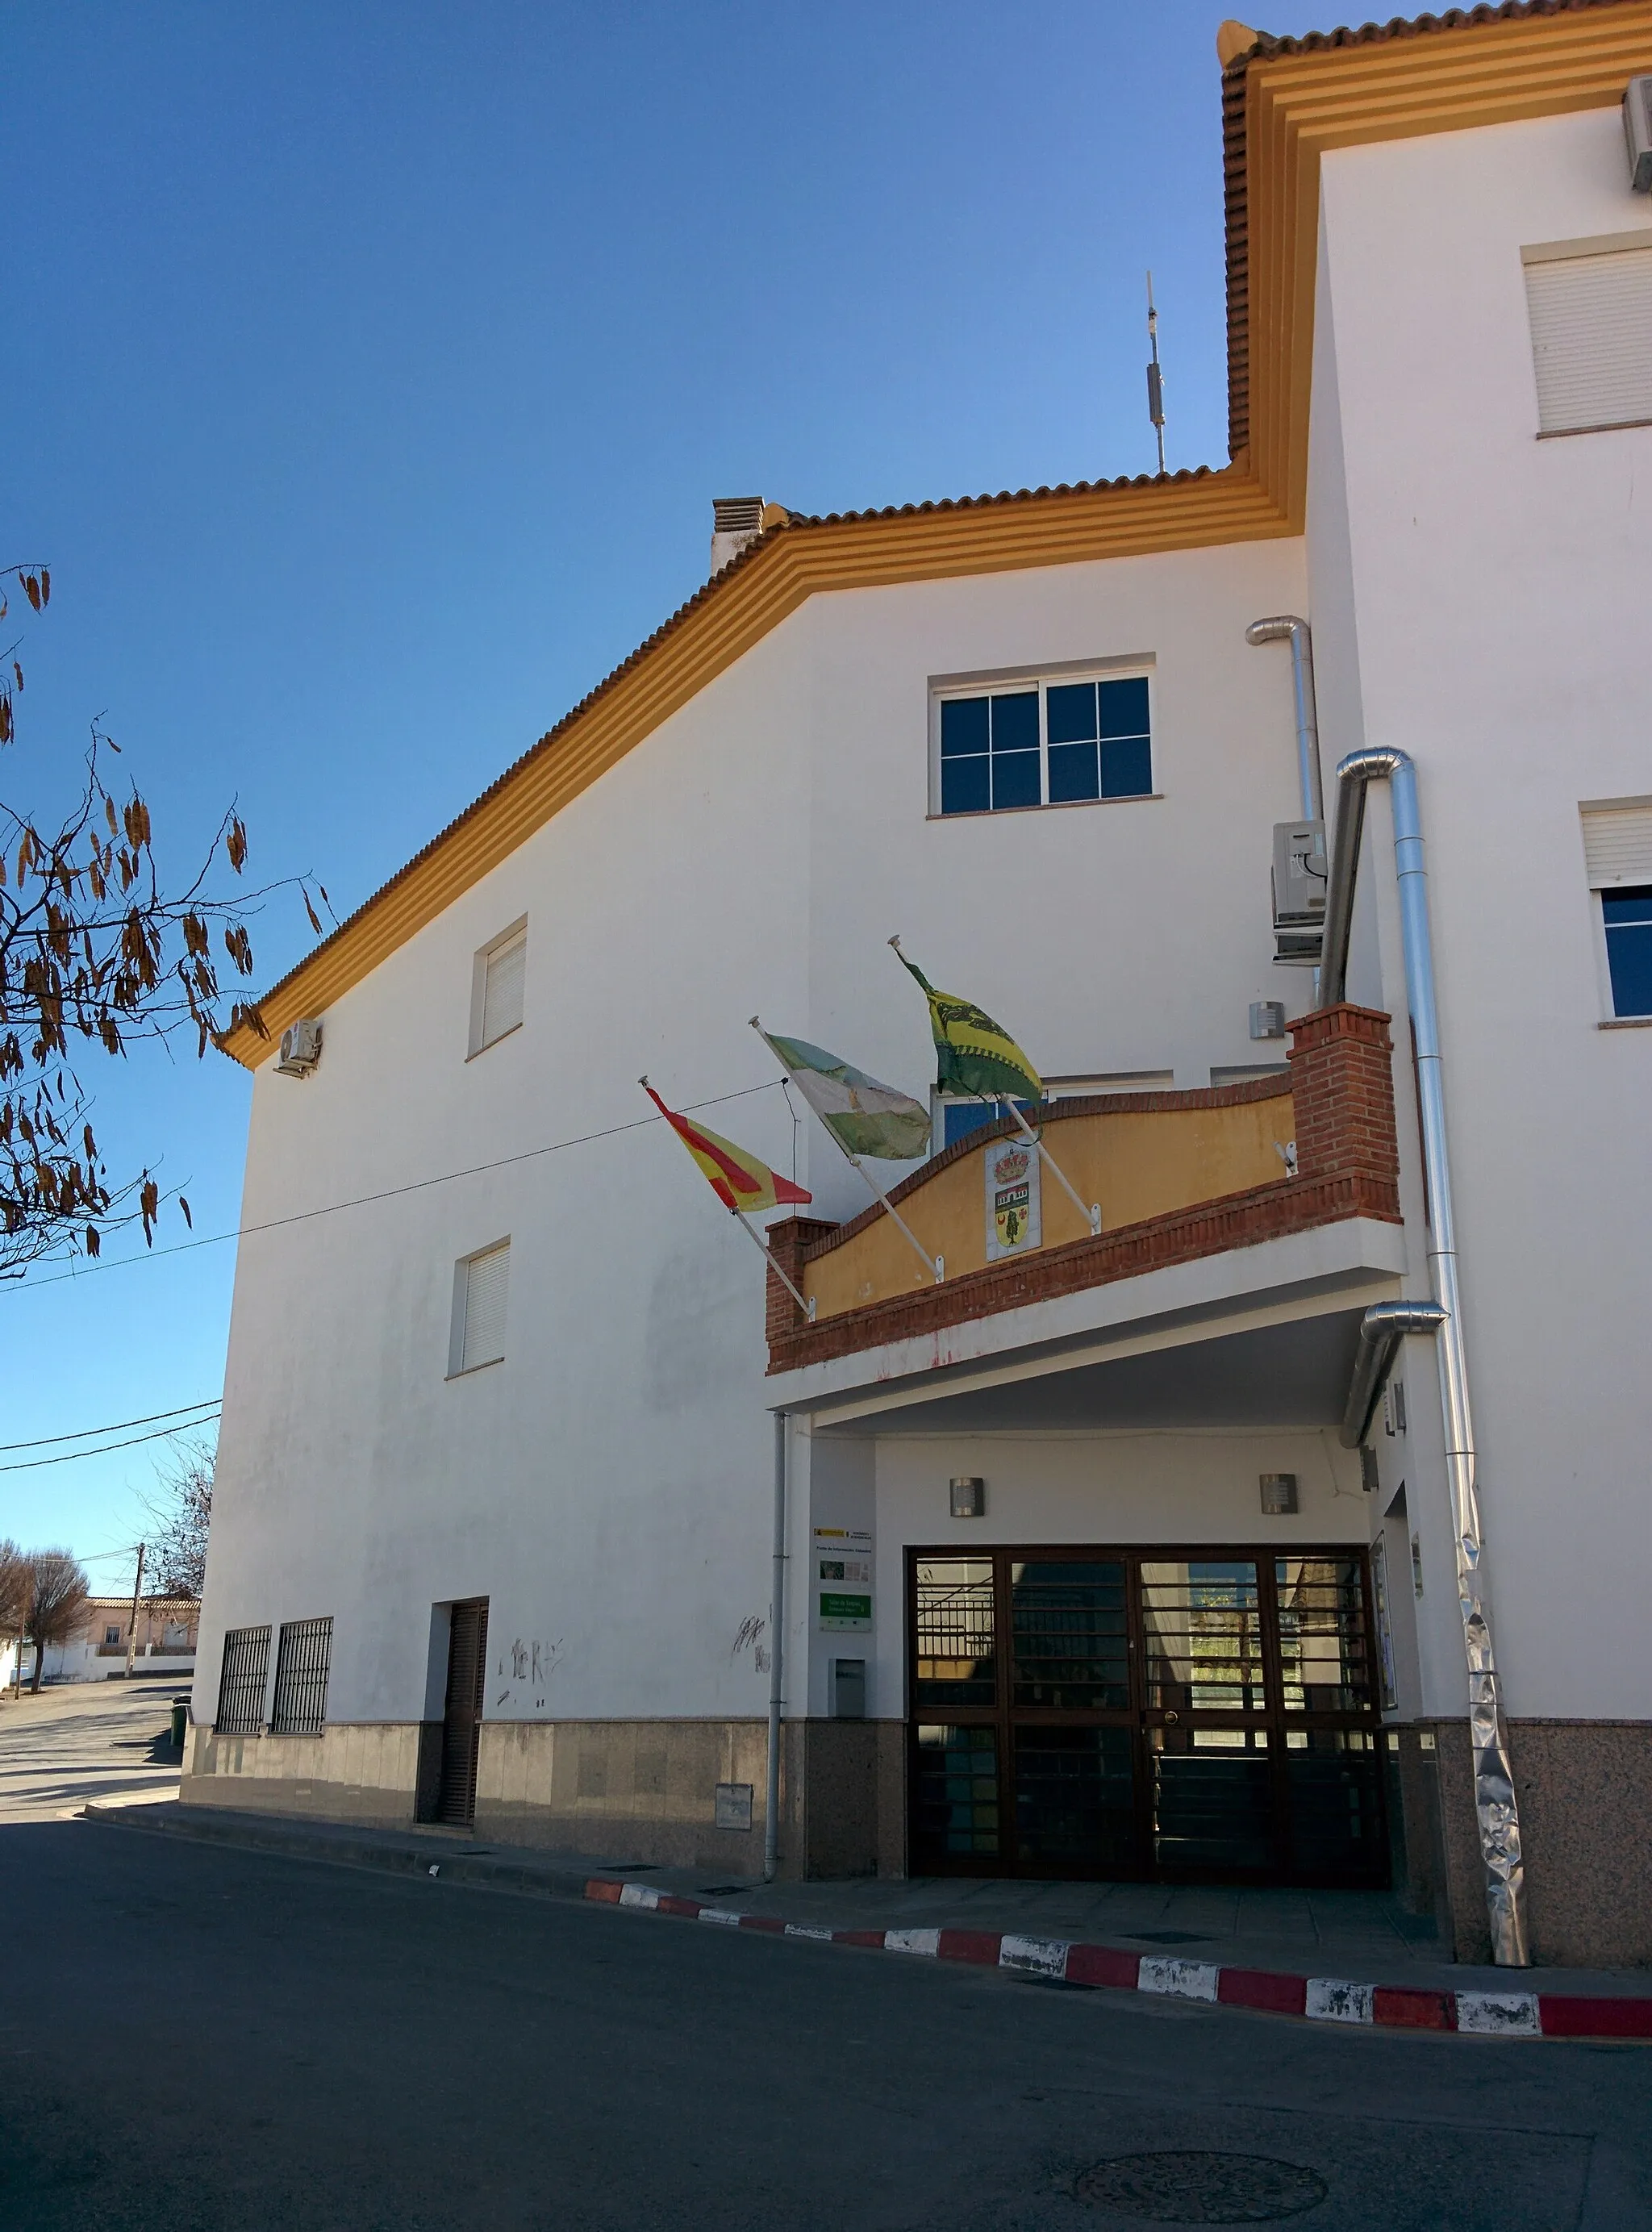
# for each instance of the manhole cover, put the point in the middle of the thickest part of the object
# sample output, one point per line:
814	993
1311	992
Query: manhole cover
1167	1938
1202	2188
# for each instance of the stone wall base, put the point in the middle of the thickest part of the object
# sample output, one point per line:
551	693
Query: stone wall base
613	1790
1585	1798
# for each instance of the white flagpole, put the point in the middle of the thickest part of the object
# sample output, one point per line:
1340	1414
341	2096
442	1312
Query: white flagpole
1093	1209
762	1247
936	1265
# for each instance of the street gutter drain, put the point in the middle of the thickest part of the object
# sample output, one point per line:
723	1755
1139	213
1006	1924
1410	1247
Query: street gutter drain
1196	2188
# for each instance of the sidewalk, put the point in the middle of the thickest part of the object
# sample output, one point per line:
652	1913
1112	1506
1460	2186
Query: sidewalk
1344	1956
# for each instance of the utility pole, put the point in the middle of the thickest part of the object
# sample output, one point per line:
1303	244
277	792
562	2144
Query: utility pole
131	1632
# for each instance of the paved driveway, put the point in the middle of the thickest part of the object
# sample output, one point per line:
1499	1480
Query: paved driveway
200	2038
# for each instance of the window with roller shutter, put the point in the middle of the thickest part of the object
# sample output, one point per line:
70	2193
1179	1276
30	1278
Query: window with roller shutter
498	982
1617	851
1590	307
481	1296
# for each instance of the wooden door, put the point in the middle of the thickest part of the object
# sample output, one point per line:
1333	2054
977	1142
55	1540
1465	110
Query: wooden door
466	1667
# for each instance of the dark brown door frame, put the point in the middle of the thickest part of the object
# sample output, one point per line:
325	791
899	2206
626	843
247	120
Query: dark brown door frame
1005	1716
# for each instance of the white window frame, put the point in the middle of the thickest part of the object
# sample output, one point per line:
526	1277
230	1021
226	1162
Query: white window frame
1132	666
457	1367
1610	1020
516	934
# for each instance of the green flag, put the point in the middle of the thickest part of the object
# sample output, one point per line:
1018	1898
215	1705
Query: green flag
972	1054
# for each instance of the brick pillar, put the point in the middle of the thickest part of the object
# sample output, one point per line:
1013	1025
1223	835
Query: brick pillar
1342	1087
786	1241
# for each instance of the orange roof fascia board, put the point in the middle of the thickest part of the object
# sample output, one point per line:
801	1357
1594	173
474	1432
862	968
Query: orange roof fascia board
1285	104
768	582
1439	77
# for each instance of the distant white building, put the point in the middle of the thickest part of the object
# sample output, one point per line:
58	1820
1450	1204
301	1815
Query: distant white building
1129	1553
167	1628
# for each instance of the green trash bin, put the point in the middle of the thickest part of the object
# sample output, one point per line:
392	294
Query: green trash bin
180	1721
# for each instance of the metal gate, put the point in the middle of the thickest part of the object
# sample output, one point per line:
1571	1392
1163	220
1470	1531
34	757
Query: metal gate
466	1666
1175	1714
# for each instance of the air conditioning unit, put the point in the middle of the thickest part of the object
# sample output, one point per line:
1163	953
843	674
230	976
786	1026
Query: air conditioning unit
1300	874
301	1048
1638	131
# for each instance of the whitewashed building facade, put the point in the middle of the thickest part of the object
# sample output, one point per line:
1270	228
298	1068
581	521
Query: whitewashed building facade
493	1531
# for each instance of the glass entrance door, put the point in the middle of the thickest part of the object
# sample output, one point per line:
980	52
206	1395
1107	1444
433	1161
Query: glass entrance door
1176	1715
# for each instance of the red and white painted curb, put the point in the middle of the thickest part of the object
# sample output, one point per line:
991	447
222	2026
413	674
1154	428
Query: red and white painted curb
1318	1999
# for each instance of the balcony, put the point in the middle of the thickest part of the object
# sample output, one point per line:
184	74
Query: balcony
1202	1218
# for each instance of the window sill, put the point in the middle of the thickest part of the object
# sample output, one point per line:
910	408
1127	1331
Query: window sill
1625	1023
1613	426
488	1045
470	1371
1055	805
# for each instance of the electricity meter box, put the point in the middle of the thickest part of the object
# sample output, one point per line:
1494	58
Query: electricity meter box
1300	873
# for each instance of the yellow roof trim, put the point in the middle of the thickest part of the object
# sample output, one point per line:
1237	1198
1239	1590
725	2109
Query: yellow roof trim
1298	99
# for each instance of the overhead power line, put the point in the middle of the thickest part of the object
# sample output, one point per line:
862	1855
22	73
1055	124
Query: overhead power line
390	1193
74	1457
87	1433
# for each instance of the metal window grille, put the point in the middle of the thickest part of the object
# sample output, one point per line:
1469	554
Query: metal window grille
241	1685
302	1665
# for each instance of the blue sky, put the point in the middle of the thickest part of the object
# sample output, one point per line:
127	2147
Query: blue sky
371	374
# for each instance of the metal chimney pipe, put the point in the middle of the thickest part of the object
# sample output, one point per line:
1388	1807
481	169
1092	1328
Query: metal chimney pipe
1496	1807
1381	1329
1283	627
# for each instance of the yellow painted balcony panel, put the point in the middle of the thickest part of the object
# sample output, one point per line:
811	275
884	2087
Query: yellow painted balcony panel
1137	1155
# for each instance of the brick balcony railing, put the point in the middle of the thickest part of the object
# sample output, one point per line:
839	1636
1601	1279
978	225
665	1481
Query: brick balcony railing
1341	1083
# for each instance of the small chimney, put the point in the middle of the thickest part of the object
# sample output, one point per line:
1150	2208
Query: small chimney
736	520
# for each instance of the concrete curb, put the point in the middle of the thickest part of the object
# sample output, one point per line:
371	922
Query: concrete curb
1051	1959
1316	1999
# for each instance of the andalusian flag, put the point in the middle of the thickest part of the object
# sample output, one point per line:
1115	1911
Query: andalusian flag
864	1117
739	1180
972	1054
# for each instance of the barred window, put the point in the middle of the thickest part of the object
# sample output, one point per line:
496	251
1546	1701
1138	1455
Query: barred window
241	1684
301	1664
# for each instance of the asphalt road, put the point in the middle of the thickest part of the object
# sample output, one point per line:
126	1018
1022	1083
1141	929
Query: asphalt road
202	2038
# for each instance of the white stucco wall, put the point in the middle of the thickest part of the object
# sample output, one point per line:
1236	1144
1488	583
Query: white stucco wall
607	1486
1498	583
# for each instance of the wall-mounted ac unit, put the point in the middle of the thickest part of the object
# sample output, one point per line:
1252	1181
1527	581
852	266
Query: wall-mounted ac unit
301	1048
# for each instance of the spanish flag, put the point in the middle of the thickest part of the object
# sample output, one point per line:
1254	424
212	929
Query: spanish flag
739	1180
973	1054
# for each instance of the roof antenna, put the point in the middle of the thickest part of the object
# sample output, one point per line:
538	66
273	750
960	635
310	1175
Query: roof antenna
1155	378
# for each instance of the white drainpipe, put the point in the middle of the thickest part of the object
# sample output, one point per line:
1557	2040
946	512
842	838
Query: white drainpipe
1495	1805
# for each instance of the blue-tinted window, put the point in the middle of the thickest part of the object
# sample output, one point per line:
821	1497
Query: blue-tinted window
1096	744
1126	746
1629	949
960	1117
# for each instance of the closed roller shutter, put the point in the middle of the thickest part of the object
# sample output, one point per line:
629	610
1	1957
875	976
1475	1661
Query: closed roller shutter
502	997
1591	337
1617	845
487	1290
